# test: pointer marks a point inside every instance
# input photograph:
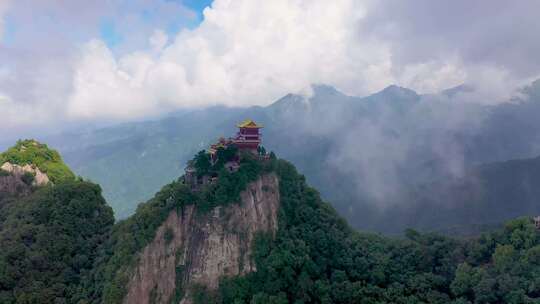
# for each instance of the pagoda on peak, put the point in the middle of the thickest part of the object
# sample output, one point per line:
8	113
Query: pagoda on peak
226	152
249	124
248	136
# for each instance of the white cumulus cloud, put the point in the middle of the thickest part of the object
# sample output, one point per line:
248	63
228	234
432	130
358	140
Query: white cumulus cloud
243	53
247	52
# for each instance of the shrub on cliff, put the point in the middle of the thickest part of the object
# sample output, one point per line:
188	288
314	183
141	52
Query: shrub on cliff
4	173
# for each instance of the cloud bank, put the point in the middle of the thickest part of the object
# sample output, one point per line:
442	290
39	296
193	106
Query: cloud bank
252	52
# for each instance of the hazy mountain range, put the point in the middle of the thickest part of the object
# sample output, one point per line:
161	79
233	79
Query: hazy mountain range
377	159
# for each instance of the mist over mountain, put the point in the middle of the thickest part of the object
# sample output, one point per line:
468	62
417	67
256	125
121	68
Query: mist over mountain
365	154
484	197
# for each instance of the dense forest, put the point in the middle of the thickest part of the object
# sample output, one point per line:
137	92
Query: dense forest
317	258
49	242
59	245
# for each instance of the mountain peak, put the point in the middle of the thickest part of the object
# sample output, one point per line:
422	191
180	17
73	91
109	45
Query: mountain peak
324	89
398	91
533	90
462	88
394	94
30	152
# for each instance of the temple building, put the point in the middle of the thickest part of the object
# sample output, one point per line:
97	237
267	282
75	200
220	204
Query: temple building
537	222
248	136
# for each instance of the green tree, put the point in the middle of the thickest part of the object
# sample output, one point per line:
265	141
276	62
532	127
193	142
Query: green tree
50	241
202	163
465	280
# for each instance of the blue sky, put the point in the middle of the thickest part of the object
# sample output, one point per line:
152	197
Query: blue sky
197	5
110	34
105	21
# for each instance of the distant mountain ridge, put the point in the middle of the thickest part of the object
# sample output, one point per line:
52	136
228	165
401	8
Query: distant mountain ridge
361	152
486	196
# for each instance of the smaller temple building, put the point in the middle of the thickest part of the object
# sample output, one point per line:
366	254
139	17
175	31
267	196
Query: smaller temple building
537	222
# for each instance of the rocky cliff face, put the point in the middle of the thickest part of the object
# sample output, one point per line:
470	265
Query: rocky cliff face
11	185
12	180
40	178
191	249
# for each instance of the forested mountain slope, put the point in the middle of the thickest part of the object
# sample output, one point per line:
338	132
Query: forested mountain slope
313	256
49	234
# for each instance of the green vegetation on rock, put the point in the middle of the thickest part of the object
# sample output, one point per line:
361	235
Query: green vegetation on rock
130	236
34	153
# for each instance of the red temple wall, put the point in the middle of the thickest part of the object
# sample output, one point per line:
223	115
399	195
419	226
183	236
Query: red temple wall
247	145
249	131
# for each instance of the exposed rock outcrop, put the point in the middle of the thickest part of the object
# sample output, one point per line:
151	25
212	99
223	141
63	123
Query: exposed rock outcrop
11	185
190	248
13	181
40	178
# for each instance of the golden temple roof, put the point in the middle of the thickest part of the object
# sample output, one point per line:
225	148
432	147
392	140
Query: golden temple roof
248	123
